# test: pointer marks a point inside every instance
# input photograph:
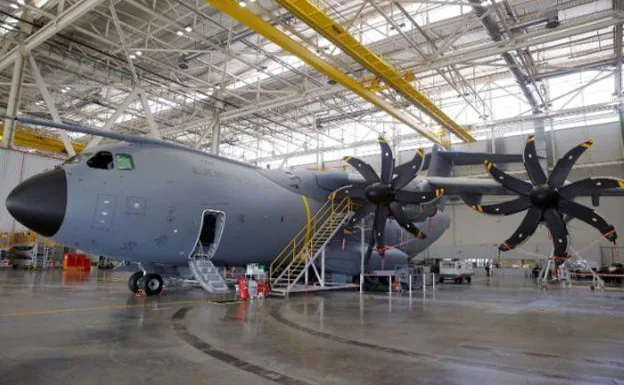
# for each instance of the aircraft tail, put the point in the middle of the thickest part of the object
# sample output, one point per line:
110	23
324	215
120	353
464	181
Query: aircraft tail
440	162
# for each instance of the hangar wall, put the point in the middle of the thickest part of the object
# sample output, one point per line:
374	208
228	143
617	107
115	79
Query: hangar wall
16	166
474	235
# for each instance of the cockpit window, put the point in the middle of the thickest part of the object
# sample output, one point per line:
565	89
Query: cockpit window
102	160
78	158
125	162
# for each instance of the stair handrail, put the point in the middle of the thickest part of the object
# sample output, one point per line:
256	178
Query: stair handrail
294	247
312	243
314	256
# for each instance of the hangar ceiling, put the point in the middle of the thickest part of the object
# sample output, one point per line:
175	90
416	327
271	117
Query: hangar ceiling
180	69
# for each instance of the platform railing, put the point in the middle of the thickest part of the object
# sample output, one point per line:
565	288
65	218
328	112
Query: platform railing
316	231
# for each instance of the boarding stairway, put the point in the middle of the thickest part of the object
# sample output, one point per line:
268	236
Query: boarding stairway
40	256
206	273
305	253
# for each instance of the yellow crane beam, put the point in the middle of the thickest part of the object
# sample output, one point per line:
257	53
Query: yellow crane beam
257	24
334	32
25	137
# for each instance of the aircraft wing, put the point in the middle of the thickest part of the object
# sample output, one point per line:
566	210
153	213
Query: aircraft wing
485	186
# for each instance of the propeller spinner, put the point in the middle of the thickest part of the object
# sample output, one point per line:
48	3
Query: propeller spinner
384	196
548	199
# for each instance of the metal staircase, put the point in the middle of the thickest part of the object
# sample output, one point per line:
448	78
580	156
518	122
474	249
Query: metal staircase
40	256
305	253
206	273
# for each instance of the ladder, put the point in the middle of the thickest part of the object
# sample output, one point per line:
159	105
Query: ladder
303	252
206	273
40	256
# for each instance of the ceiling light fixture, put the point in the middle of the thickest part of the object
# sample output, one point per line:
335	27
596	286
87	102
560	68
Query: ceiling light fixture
188	28
132	56
139	53
242	3
180	33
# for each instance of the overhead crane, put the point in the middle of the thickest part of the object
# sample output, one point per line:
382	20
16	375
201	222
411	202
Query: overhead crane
260	26
322	23
25	137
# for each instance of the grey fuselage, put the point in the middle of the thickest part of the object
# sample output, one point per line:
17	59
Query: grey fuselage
153	213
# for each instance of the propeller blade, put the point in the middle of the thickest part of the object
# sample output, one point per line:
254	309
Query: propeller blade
531	163
505	208
588	216
362	212
558	231
509	182
363	168
408	171
564	165
525	230
387	161
397	211
380	226
416	197
589	186
357	192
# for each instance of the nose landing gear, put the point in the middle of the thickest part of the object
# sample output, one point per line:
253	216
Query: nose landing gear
151	284
133	281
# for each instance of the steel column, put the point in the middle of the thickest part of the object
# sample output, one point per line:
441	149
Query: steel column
13	102
617	52
47	98
215	141
148	115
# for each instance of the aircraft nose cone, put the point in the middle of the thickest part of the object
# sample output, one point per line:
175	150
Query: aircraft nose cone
39	203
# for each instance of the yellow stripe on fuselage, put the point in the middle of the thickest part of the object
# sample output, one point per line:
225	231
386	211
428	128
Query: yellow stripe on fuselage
308	214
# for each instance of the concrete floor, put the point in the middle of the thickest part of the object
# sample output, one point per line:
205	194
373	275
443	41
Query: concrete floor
85	330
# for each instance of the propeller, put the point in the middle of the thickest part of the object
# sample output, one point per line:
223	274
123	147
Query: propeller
384	196
548	199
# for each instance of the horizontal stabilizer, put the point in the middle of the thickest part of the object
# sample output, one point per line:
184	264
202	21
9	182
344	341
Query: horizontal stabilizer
457	158
470	158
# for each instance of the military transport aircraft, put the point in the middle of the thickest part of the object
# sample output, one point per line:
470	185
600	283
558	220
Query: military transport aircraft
155	202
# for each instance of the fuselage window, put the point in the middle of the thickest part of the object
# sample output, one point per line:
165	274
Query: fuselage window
102	160
125	162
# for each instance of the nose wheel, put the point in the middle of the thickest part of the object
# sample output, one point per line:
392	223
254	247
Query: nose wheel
151	284
133	281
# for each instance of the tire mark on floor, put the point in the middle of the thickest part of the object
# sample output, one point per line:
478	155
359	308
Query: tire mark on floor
441	359
591	361
178	325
